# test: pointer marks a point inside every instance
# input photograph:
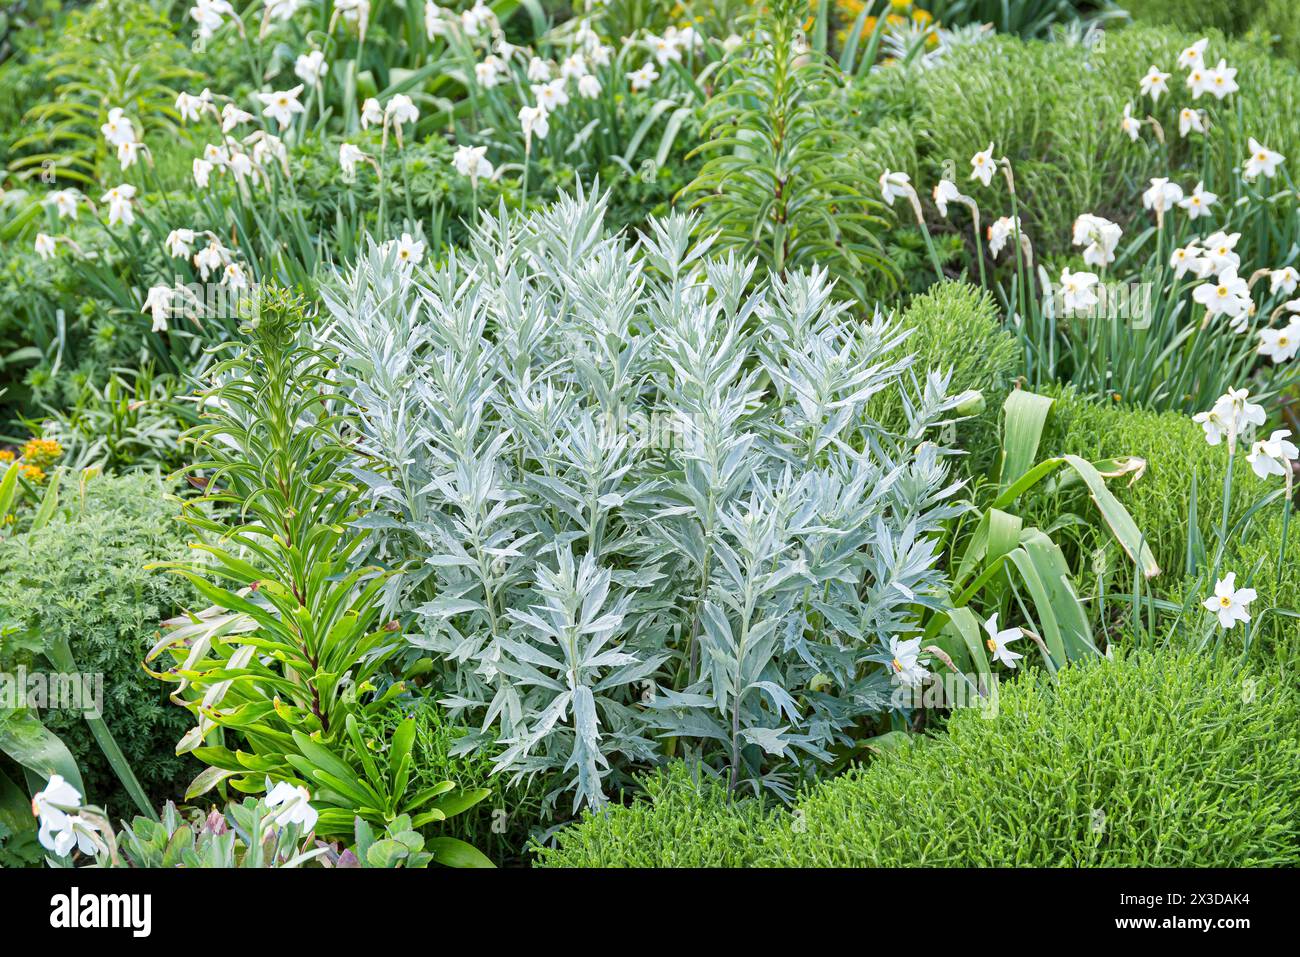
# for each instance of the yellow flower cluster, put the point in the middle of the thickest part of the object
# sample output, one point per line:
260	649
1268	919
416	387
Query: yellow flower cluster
903	14
37	455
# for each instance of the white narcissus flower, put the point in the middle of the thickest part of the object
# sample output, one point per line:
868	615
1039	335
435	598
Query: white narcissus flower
295	804
371	113
1198	202
551	96
982	166
477	18
207	15
1229	603
118	129
1280	345
1220	251
1231	414
410	251
241	164
400	110
1222	80
1076	291
355	12
1273	455
532	120
1261	160
1189	259
129	153
998	640
180	243
732	43
282	9
1189	120
45	245
945	192
119	204
282	105
1198	81
1283	280
642	79
589	86
905	662
61	829
539	71
1154	84
472	161
65	203
349	157
189	106
1162	195
574	67
664	50
211	258
202	169
1099	237
1193	56
1228	296
437	21
311	67
232	116
233	276
999	231
1129	124
159	302
488	73
895	186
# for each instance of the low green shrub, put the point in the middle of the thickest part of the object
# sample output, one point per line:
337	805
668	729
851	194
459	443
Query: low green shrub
84	581
684	819
1147	760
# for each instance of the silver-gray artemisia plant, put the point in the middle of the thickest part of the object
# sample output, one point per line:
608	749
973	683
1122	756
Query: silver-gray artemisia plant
642	504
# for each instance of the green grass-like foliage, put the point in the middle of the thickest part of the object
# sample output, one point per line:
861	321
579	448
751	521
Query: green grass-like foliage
1149	760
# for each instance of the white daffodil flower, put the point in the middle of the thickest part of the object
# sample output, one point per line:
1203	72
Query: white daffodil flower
588	86
945	192
400	110
282	10
241	164
574	67
233	276
282	105
488	73
202	169
539	71
65	203
642	79
159	302
1198	81
478	18
1280	345
472	161
1220	251
208	14
1198	202
999	231
1129	124
1222	80
118	129
1231	415
189	106
129	153
410	251
1273	455
532	120
1162	196
61	827
311	67
1154	83
1228	296
438	22
1262	160
1077	294
119	204
551	96
905	662
45	245
295	805
349	157
1190	120
371	113
1188	259
1283	280
982	166
1099	237
664	50
998	640
895	186
211	258
232	116
180	243
1193	56
1230	604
